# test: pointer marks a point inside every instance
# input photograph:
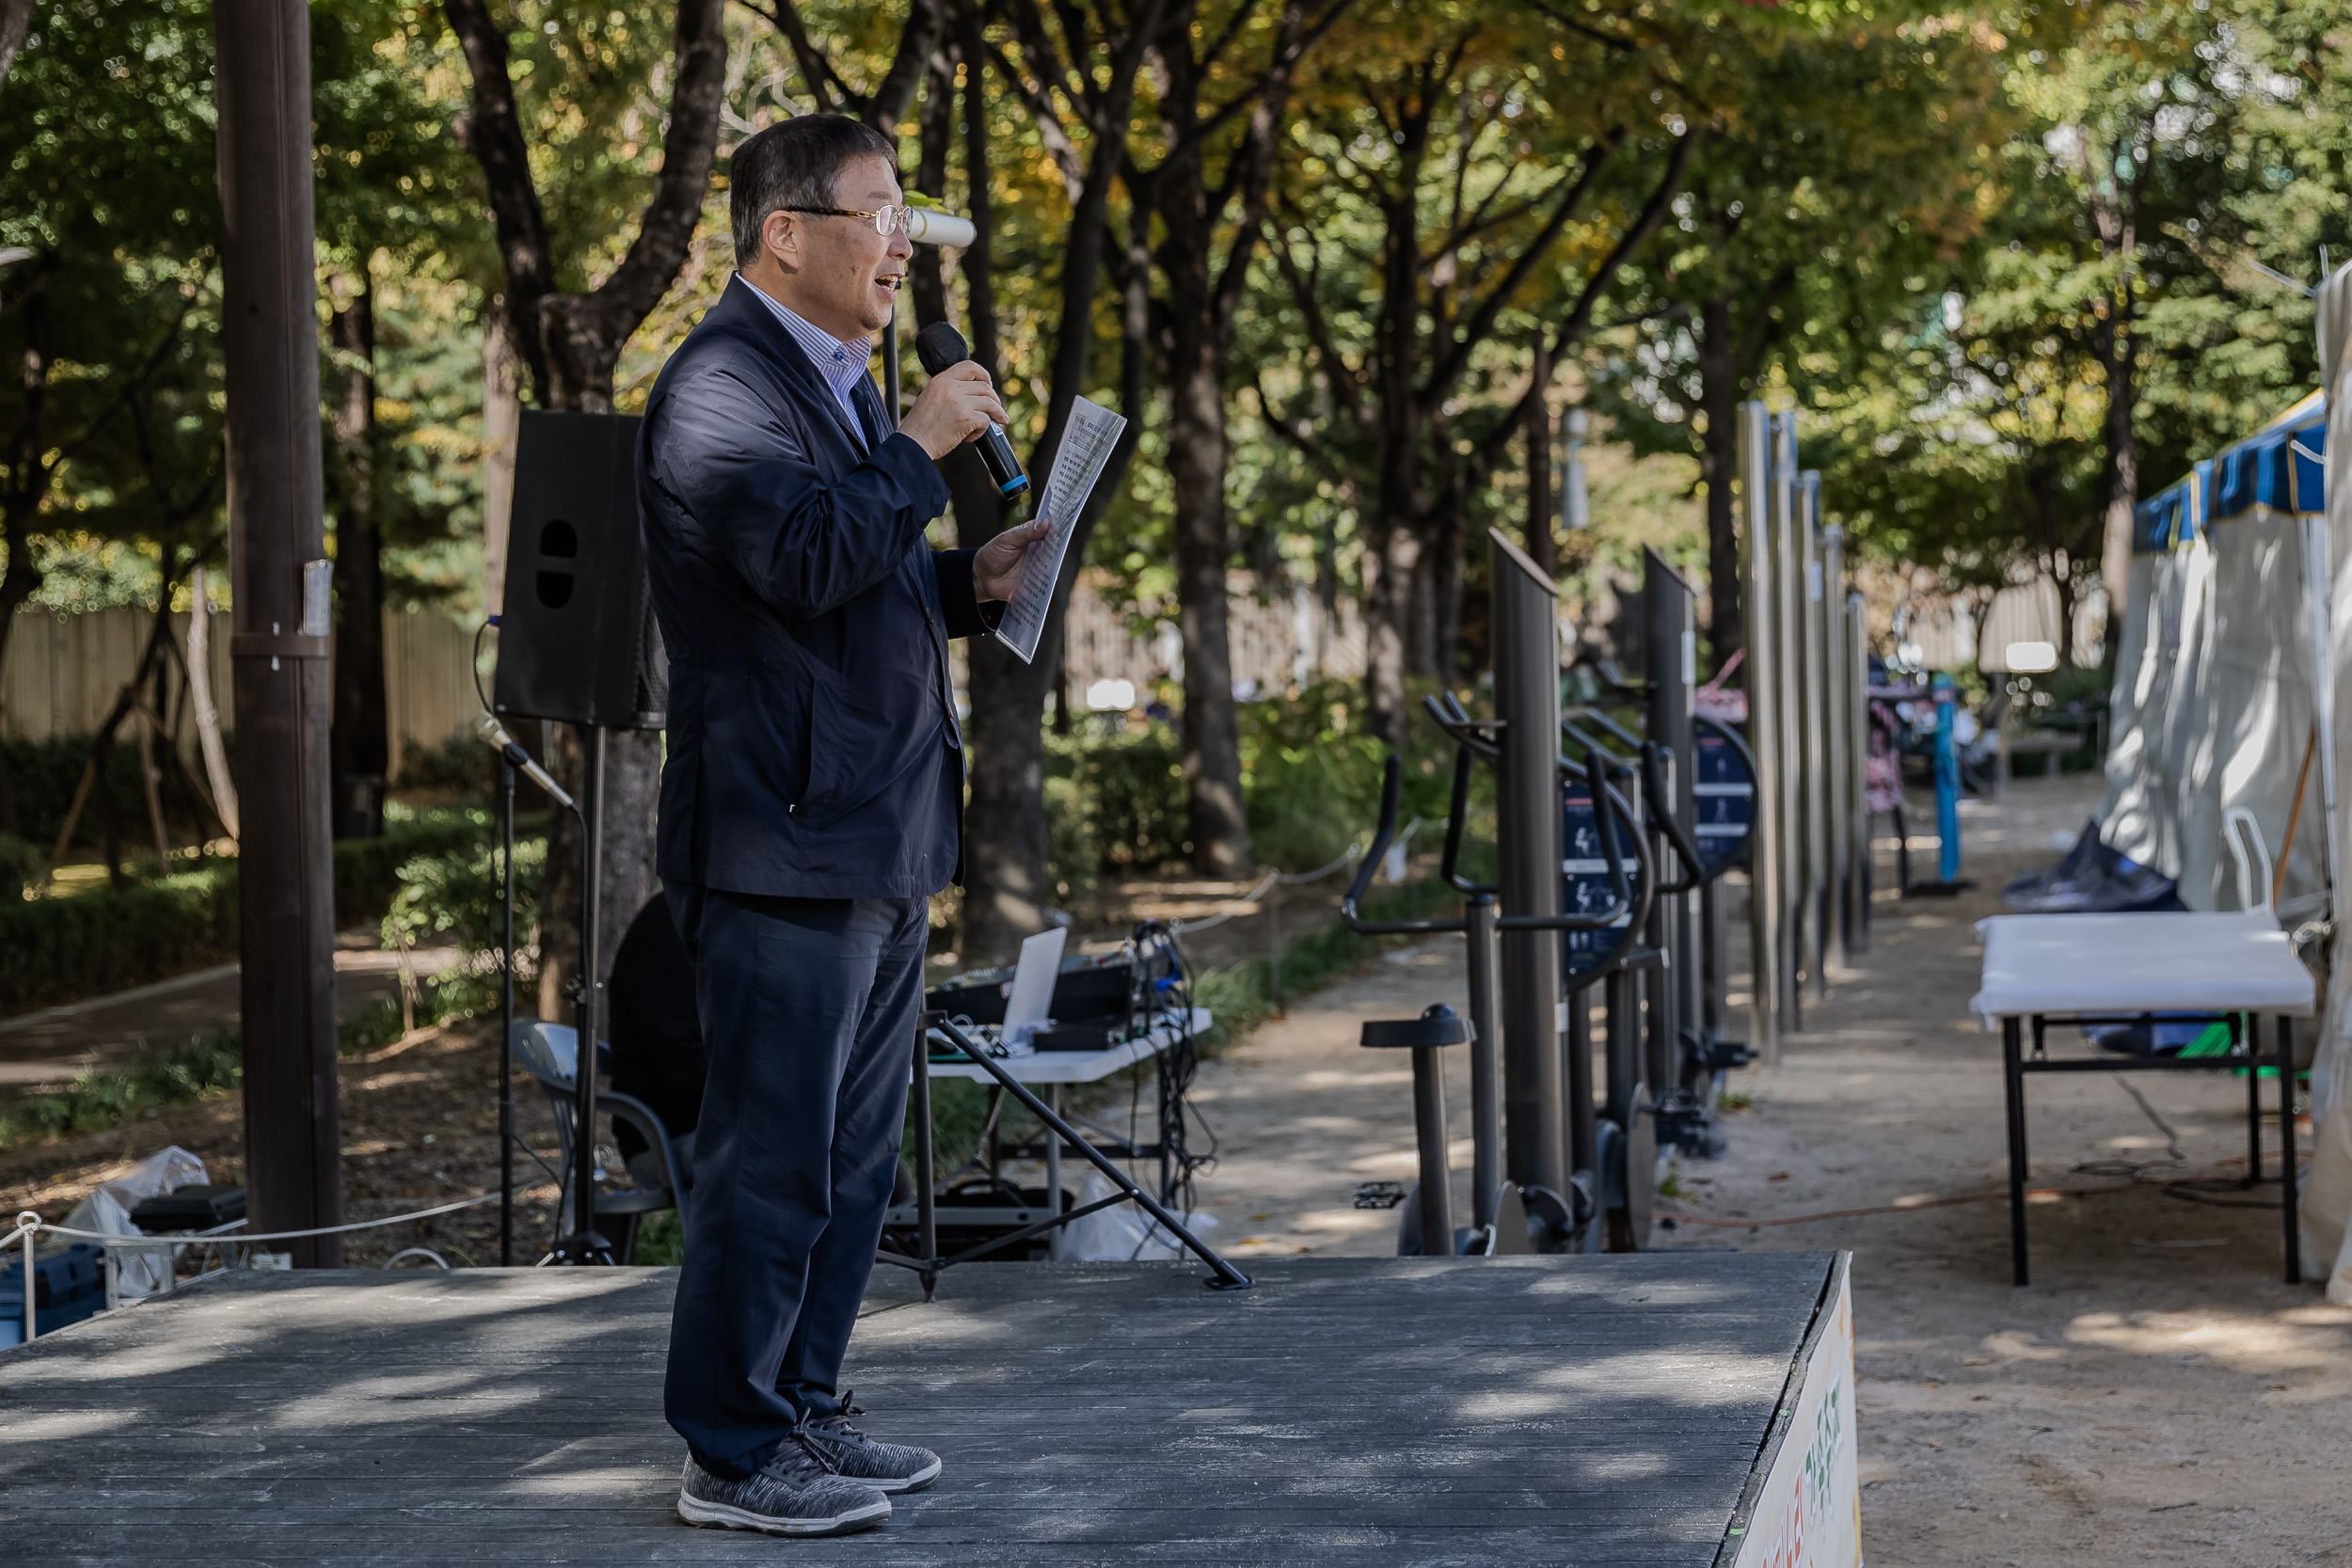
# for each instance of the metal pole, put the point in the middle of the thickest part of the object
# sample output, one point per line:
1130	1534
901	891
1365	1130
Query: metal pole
1436	1198
1788	661
1837	730
584	1064
1583	1113
1669	612
1478	928
926	1177
1857	778
1575	511
1527	809
279	643
26	1222
1814	778
1760	600
506	1020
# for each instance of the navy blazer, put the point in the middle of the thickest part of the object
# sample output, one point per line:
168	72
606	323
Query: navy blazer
812	745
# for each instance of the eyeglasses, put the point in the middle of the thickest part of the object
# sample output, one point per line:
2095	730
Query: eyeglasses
887	221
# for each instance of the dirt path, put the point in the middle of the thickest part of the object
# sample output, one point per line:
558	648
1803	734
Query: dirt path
2157	1397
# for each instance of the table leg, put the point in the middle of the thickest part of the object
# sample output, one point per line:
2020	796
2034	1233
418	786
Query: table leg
926	1177
2253	1099
2286	1150
1052	1171
995	1116
2013	1069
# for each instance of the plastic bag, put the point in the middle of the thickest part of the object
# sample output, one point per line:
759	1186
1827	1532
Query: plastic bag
108	1211
2092	879
1122	1234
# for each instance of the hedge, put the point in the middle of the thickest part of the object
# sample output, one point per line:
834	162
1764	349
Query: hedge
55	950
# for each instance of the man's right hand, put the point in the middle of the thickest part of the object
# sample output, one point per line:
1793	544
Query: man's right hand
958	405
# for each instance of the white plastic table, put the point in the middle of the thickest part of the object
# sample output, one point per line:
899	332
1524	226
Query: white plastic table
2082	969
1049	1070
1052	1069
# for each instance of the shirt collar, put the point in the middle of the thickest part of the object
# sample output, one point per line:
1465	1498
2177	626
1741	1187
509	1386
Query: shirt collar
841	361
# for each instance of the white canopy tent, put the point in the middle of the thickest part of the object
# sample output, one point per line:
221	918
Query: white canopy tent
2222	680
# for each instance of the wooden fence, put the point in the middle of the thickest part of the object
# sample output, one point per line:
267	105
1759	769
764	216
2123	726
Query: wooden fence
62	672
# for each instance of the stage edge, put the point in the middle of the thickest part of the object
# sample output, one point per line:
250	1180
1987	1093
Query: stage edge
1803	1505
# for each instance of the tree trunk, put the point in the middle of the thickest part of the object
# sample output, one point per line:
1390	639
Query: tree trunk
1719	465
2122	464
1196	463
16	18
1203	290
359	744
1005	883
1005	888
1540	536
17	582
572	342
1394	576
501	421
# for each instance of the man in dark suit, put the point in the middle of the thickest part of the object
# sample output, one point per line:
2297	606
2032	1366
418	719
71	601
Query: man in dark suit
811	803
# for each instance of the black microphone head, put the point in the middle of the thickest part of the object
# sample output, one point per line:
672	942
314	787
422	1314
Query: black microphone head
940	345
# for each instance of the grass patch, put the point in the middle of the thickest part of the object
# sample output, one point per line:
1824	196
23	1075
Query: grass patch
98	1099
1735	1099
163	1076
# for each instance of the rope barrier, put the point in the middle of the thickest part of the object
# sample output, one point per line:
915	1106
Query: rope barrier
38	1224
1285	878
30	1228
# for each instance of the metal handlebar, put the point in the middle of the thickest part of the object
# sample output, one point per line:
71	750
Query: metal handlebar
1456	818
1391	789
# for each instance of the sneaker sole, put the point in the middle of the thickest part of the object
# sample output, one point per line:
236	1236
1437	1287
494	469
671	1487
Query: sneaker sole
720	1516
911	1483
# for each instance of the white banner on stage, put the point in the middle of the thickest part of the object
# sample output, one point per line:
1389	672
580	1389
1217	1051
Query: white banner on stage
1086	449
1808	1512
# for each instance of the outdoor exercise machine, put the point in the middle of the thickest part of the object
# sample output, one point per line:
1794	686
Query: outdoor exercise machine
1697	781
1805	680
1538	1135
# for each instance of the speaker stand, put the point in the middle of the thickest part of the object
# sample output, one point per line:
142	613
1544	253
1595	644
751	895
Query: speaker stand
584	1245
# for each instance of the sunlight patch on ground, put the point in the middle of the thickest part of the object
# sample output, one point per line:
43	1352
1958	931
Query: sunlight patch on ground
2242	1343
58	1425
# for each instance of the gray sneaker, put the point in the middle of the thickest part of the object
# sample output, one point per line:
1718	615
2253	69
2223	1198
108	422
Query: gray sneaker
853	1456
796	1493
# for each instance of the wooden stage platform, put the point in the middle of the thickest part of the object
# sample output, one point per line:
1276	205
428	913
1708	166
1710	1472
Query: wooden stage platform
1649	1409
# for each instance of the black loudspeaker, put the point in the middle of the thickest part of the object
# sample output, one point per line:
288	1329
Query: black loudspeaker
577	639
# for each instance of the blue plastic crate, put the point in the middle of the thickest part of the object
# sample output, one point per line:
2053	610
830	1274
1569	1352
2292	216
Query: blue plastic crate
68	1284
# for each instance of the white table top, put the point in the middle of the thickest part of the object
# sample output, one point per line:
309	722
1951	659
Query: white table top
1075	1067
2131	963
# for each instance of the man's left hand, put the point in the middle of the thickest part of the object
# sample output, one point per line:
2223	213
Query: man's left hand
997	568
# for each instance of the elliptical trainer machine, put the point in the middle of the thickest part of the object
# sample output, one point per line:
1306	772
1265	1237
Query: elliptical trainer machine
1535	1133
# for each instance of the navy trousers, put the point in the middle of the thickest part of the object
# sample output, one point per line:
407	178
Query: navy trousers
808	1008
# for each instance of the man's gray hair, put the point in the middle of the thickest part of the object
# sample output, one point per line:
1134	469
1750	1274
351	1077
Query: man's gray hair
794	162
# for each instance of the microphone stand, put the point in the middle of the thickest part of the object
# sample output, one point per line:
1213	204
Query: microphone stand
506	1020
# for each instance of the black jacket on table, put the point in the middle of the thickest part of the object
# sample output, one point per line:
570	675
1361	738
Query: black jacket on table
812	745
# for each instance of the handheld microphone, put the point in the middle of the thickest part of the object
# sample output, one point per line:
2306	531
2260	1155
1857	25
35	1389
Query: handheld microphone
940	345
487	727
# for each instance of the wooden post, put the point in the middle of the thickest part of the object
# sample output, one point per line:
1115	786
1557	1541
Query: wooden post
279	635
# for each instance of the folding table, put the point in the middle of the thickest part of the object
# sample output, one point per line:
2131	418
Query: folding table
2078	969
1051	1070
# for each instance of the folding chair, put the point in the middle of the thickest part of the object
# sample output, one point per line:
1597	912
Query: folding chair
547	1051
